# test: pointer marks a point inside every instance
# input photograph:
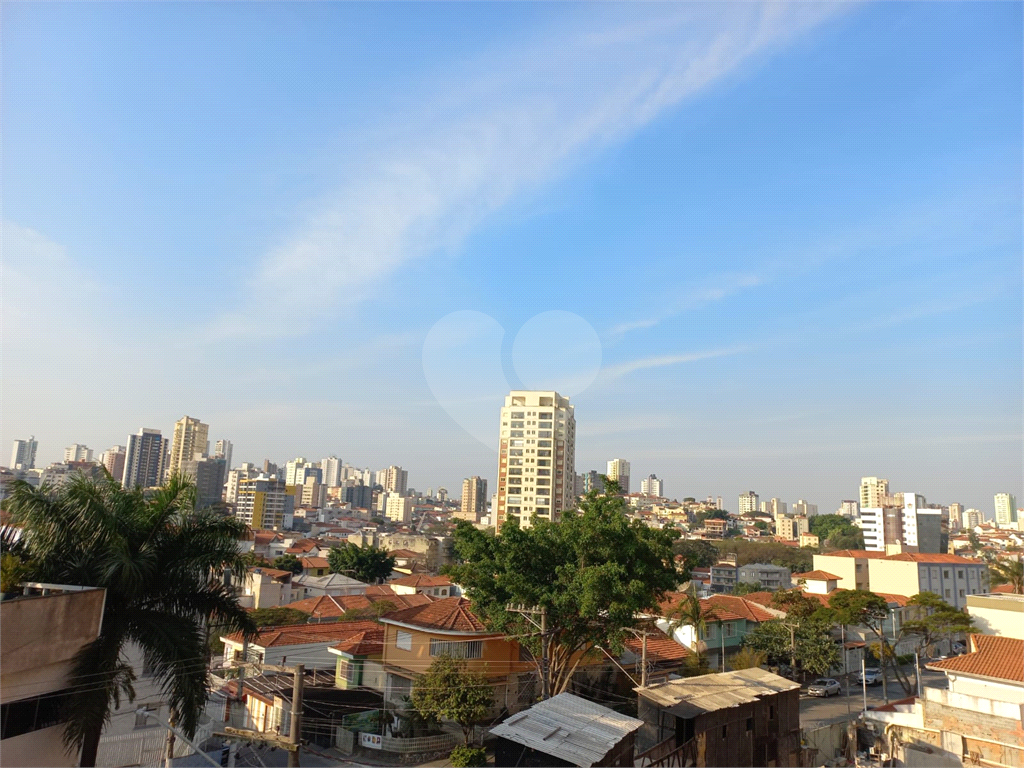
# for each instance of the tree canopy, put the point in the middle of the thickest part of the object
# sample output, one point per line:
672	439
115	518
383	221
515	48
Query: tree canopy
837	531
797	560
449	690
696	553
592	573
368	564
940	619
857	606
288	562
158	559
1008	572
746	587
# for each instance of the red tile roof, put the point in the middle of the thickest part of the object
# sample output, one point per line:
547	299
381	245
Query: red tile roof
369	642
451	614
421	580
404	553
991	656
303	545
302	634
660	647
731	607
328	606
315	562
274	573
817	576
921	557
1006	588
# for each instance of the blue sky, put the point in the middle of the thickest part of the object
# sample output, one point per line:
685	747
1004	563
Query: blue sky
790	236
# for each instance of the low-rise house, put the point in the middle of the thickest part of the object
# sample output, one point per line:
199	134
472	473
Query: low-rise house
315	566
360	661
306	644
999	613
39	637
817	582
414	637
729	619
749	717
770	578
331	608
266	588
976	720
304	586
566	730
421	584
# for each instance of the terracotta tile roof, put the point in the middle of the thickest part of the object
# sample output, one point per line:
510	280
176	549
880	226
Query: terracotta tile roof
328	606
303	545
452	614
991	656
900	600
1007	588
761	598
369	642
817	576
302	634
265	537
315	562
274	573
379	590
920	557
731	607
422	581
858	553
404	553
660	647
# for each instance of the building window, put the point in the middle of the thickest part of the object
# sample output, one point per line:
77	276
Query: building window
403	641
729	629
771	711
945	573
750	724
472	649
725	731
947	594
960	574
34	714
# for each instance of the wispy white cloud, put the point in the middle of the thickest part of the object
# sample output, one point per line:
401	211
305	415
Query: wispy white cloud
489	138
660	361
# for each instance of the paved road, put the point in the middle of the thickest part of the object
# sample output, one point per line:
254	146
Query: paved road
818	711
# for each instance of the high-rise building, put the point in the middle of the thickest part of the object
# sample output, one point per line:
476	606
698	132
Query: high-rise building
23	456
359	496
801	507
1006	510
473	505
974	518
790	528
113	460
145	459
263	502
589	481
849	508
398	508
536	457
394	480
331	468
208	475
245	472
618	470
956	516
298	471
191	437
774	507
222	448
748	503
651	486
77	452
873	491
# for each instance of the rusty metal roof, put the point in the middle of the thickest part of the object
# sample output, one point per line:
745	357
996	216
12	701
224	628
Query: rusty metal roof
694	696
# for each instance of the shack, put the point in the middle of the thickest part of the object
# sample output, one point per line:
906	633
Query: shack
566	731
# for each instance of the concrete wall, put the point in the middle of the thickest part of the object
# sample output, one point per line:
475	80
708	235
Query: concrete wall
843	567
998	614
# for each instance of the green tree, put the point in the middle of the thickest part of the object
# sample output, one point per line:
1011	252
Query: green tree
696	553
859	607
277	617
287	562
746	587
368	564
448	690
748	658
940	619
837	531
1008	572
592	573
157	559
690	612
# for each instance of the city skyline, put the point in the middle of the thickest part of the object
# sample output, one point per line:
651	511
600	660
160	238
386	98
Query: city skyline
792	230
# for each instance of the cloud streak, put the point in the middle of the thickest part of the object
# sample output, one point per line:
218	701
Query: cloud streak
660	361
493	138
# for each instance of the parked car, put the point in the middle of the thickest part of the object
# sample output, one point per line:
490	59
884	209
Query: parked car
824	686
959	648
871	676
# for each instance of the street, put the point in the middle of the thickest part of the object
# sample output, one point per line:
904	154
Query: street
816	711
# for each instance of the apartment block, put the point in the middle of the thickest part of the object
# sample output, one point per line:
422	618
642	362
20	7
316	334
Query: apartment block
652	486
473	504
618	470
536	457
113	461
77	452
263	502
191	437
1006	510
23	454
222	449
398	508
951	577
394	480
748	503
145	459
208	475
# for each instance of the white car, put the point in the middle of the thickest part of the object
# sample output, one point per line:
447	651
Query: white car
871	676
824	686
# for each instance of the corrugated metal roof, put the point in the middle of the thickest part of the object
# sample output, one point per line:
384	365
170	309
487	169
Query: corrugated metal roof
569	728
694	696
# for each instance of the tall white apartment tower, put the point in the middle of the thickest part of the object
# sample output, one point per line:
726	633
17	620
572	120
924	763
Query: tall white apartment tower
618	470
394	479
331	467
873	492
23	455
77	452
1006	510
222	449
536	457
191	436
145	459
651	486
748	503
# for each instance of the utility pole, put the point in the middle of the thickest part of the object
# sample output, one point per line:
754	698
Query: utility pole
169	742
542	625
296	732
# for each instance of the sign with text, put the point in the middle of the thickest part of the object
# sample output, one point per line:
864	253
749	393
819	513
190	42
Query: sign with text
371	740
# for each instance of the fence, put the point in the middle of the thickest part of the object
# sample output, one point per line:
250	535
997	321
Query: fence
145	748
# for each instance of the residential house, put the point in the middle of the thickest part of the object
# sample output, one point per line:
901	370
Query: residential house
724	574
315	566
421	584
39	637
266	588
729	619
566	730
769	577
976	719
1000	613
304	586
331	608
850	565
415	636
306	644
749	717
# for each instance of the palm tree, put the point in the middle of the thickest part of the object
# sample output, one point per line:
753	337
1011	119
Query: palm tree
690	613
157	558
1009	572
